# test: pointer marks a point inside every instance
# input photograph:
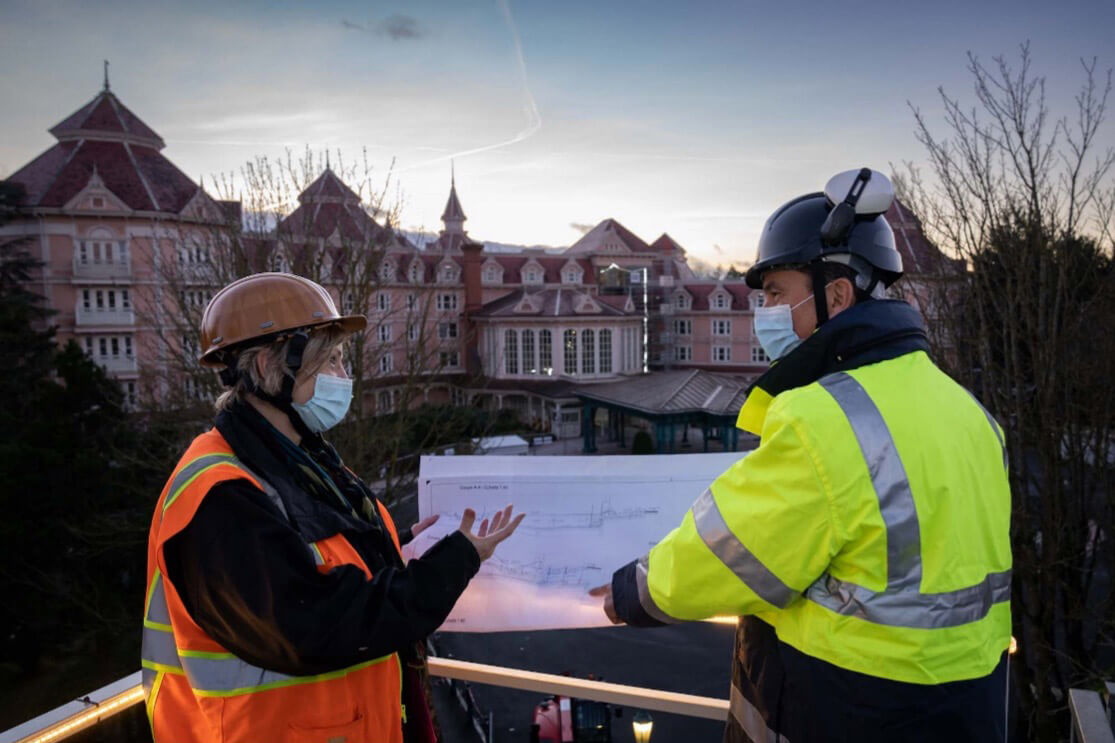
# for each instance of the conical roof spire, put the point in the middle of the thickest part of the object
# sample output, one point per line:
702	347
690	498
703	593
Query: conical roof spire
453	211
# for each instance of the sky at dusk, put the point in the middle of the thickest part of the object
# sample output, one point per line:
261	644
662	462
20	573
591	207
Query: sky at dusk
696	118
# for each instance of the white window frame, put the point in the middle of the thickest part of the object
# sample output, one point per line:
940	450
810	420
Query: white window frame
722	354
722	328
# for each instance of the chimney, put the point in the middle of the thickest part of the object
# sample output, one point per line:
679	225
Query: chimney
473	259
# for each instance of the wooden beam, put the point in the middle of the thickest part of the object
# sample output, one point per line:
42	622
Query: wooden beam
547	683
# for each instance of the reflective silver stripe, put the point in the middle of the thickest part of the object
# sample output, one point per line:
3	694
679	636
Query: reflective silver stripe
908	608
645	598
748	717
902	604
316	553
888	476
159	649
192	470
157	610
229	674
725	545
148	680
271	492
994	427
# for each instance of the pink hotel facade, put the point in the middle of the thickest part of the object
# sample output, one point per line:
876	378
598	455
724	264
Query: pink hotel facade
107	214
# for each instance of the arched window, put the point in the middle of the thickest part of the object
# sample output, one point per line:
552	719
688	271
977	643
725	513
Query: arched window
570	344
545	352
588	351
529	367
511	351
605	351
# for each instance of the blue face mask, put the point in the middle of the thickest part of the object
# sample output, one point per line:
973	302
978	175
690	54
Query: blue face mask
329	404
774	327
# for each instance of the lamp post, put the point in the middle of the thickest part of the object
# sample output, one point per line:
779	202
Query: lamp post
642	723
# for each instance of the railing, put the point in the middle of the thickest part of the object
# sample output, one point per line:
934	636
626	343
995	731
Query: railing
116	269
91	316
1091	715
118	364
69	719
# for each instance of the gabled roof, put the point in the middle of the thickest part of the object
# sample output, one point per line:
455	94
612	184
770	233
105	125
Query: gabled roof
105	137
329	206
608	233
919	255
667	244
327	189
105	117
688	391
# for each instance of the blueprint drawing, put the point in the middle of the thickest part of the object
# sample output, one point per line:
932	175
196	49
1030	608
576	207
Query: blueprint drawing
585	518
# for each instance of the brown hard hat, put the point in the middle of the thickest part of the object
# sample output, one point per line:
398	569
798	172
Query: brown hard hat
263	305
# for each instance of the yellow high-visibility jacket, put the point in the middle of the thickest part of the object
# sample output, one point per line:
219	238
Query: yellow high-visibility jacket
870	528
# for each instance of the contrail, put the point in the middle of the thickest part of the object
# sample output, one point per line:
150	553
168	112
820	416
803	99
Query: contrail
534	119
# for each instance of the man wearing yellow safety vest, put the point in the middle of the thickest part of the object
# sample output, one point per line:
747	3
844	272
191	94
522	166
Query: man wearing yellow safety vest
278	604
865	542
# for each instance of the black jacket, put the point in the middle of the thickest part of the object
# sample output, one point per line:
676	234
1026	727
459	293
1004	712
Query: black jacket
247	578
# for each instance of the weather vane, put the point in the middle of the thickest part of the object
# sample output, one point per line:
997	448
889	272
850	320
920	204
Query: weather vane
106	74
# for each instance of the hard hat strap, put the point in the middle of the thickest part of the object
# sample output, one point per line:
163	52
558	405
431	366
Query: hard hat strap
820	298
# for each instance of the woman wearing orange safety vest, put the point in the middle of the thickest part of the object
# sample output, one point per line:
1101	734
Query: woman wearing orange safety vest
278	604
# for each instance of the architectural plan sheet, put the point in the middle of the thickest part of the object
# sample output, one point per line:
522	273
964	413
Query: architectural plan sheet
586	517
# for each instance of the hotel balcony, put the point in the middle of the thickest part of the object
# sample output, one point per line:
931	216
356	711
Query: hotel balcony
103	316
102	269
117	364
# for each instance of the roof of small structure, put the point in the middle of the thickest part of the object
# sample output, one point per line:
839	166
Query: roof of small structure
554	302
671	392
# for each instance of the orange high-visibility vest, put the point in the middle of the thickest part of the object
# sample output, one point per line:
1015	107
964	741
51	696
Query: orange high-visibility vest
197	691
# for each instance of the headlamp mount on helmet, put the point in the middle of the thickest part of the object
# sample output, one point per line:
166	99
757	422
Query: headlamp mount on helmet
843	224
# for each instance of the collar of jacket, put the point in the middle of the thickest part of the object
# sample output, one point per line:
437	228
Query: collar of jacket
259	444
867	333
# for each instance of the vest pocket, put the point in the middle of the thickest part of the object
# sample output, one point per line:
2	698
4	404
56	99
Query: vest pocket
316	732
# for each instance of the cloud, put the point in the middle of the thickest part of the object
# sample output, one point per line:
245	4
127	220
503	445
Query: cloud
719	250
400	27
396	27
582	228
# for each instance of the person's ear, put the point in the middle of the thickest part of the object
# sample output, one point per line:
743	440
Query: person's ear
840	295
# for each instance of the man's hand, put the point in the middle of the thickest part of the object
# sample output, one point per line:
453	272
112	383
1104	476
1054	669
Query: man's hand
488	537
609	606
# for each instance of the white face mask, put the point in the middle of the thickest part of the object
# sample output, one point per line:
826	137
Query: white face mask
328	405
774	327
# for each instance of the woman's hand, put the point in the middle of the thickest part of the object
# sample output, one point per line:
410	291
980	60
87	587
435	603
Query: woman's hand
487	537
424	524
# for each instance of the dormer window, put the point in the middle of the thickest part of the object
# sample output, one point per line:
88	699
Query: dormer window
681	301
387	271
415	272
532	273
493	274
720	301
448	273
279	263
757	300
571	275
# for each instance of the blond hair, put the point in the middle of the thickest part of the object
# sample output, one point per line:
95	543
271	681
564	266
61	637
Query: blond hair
316	355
